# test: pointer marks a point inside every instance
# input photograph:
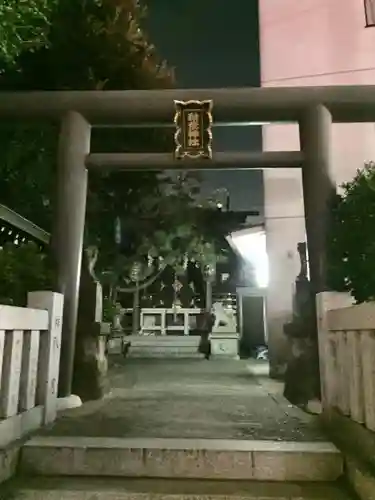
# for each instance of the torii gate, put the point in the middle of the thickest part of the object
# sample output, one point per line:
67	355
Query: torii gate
314	108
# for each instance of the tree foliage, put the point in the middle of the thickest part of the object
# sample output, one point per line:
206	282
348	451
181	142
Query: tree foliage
94	44
171	230
24	25
22	268
352	240
101	45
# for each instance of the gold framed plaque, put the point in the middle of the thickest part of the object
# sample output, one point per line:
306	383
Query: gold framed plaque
193	137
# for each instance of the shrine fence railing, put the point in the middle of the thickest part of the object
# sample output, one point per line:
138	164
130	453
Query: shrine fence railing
30	340
347	356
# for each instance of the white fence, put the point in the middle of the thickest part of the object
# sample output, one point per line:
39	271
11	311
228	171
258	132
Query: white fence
347	356
30	340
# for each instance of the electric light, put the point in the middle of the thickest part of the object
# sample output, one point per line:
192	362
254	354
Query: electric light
251	245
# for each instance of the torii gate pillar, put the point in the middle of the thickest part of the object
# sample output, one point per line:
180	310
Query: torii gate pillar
318	189
69	224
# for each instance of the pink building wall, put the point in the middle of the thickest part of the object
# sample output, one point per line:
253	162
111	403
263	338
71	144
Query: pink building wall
304	43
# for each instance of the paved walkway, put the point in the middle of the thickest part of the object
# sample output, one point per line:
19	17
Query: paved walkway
180	398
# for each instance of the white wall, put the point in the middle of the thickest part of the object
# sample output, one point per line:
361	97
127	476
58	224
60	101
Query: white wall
304	43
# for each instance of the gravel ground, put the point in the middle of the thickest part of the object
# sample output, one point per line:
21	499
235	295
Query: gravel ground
179	398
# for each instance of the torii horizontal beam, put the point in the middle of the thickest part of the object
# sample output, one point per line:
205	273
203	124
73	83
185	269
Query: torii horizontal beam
231	106
219	161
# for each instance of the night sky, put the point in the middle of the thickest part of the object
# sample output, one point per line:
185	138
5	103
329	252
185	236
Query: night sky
214	43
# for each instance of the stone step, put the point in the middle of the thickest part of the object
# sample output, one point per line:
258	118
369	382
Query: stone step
163	346
142	489
182	458
163	352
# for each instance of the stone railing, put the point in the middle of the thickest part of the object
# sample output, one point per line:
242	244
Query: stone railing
30	340
165	321
347	356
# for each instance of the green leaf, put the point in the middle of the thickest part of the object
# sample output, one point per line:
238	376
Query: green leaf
351	242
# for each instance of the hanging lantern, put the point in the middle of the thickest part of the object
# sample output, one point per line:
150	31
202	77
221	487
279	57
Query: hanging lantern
135	273
150	260
209	272
182	267
177	285
117	231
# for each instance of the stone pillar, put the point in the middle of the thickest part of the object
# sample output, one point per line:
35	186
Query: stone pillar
209	273
208	295
68	232
318	189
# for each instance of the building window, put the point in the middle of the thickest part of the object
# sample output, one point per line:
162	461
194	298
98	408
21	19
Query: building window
370	12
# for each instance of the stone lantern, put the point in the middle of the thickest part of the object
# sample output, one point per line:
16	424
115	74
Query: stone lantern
135	276
209	274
